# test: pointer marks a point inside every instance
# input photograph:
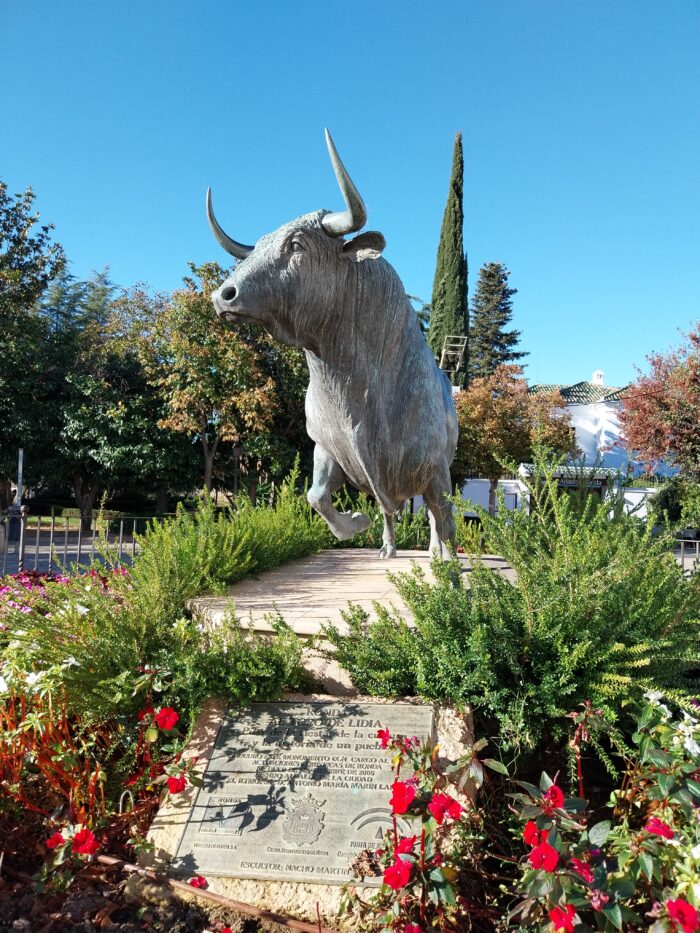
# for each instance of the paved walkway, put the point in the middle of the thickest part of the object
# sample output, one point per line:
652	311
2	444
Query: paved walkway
314	590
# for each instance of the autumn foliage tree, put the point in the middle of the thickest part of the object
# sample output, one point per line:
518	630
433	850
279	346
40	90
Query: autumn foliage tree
211	377
500	421
660	413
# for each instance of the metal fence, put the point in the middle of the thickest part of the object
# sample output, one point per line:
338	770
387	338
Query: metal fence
688	553
49	543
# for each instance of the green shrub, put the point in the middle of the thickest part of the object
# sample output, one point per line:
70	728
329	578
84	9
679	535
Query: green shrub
599	611
99	630
207	550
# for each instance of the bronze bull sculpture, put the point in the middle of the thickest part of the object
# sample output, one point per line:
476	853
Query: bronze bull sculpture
378	409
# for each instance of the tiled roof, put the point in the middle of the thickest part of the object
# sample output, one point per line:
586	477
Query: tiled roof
582	393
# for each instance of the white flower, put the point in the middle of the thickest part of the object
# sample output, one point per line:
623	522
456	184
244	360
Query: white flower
695	851
665	710
692	747
33	677
3	685
70	662
82	609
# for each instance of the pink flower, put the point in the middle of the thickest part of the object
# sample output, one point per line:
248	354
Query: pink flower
384	736
412	928
553	799
85	843
683	914
177	784
166	717
658	828
562	918
598	899
443	805
54	841
199	881
583	869
402	796
531	834
544	856
398	875
406	845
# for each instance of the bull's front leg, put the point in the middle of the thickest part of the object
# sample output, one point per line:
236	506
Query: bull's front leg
328	478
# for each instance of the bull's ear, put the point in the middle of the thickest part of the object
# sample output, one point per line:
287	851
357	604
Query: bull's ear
367	245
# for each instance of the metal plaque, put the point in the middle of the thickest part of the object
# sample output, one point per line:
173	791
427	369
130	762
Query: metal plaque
295	791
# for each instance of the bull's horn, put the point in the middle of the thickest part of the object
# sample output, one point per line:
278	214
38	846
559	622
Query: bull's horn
235	249
355	217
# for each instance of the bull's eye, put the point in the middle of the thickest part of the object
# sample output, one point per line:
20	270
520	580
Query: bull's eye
296	246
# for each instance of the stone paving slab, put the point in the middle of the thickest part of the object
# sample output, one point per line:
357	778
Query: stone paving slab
314	590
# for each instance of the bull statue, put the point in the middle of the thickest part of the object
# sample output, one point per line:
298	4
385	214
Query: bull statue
378	409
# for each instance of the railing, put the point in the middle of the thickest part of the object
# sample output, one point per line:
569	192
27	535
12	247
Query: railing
51	542
688	553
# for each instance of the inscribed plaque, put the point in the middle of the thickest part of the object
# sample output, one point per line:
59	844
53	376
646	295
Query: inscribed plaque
295	791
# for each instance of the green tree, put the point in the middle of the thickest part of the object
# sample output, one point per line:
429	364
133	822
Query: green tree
449	312
490	344
28	261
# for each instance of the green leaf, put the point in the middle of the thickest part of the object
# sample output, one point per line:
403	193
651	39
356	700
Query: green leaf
646	863
665	782
693	787
598	834
495	765
614	915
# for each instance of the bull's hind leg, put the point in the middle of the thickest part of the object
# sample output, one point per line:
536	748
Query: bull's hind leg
328	478
388	548
442	523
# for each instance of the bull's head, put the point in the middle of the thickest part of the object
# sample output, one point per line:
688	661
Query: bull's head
295	279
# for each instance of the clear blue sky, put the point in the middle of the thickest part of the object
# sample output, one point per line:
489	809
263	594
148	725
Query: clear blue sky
580	120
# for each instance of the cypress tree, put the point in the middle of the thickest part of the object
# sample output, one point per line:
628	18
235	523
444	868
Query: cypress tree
490	344
449	305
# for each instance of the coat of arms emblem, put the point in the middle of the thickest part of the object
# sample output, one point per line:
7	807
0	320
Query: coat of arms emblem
304	822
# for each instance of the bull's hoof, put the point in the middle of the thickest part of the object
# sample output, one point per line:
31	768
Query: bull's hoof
387	551
346	525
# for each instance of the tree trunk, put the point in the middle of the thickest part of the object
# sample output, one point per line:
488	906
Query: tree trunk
493	489
5	493
209	454
252	487
85	494
161	499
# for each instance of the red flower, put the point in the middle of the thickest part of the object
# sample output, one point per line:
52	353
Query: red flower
406	845
412	928
562	918
54	841
398	875
443	805
531	834
177	784
658	828
142	713
583	869
85	843
683	914
198	882
226	930
384	736
553	799
166	717
544	856
402	796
